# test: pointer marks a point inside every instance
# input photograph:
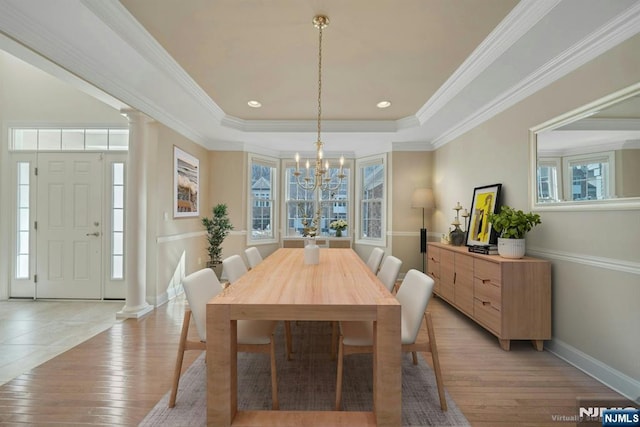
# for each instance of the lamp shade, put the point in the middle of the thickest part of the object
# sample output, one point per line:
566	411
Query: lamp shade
422	198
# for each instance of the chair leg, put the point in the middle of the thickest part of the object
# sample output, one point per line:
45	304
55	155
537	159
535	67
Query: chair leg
274	375
180	358
414	354
339	376
287	339
436	360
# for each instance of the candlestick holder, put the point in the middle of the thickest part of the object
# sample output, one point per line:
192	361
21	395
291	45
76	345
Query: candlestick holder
457	235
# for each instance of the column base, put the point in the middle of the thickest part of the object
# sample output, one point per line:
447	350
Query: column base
134	312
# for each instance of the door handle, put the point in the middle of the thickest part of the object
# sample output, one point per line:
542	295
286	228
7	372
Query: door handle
96	234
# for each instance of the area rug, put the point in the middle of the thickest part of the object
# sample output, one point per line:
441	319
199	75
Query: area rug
308	383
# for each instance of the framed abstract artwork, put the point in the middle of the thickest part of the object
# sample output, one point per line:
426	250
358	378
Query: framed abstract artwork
485	200
186	187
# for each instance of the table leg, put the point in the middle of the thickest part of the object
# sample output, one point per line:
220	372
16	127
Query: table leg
222	369
387	369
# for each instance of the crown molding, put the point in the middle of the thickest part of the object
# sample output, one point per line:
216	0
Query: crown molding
412	146
617	30
517	23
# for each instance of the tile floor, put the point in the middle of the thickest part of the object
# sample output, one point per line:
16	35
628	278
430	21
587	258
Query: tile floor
32	332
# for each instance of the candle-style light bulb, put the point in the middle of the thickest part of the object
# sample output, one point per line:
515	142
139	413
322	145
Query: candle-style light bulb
326	165
297	162
320	154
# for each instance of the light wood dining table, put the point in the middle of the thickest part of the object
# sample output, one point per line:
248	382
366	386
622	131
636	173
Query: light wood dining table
282	287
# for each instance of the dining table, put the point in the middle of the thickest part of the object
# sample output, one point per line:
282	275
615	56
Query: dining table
340	287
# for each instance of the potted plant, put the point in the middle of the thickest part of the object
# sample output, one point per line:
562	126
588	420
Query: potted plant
338	225
512	226
218	228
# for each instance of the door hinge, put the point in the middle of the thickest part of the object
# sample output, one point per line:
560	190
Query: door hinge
36	171
35	278
35	225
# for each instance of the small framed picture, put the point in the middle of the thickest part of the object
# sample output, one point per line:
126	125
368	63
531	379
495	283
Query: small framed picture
485	200
186	189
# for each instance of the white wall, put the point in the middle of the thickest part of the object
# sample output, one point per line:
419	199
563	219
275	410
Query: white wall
595	255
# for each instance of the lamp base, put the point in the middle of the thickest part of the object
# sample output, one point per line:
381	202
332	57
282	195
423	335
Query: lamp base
423	240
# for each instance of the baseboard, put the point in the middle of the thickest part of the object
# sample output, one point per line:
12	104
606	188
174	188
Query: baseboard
612	378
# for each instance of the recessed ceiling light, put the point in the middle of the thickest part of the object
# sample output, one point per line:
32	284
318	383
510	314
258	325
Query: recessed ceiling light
254	104
383	104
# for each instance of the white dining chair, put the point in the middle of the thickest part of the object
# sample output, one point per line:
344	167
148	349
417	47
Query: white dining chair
254	336
413	295
389	271
374	260
233	268
253	256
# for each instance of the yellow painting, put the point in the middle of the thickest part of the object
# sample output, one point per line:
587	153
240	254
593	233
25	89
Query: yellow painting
484	202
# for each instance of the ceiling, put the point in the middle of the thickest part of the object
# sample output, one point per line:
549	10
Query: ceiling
445	65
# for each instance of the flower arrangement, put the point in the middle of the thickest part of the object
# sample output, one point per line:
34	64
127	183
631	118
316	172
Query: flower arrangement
338	225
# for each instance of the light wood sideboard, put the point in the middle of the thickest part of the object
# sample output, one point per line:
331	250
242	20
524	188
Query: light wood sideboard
511	298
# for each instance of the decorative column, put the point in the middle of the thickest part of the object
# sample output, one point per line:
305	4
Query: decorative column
136	195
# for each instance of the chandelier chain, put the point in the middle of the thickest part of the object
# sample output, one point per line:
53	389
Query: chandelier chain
319	79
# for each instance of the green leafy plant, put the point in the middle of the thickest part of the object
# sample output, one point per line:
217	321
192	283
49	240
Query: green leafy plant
513	224
218	228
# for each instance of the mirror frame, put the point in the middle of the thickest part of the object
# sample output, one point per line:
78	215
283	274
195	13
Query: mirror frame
626	203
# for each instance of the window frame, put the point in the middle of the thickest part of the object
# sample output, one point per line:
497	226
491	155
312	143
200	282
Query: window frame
555	163
607	157
360	165
275	190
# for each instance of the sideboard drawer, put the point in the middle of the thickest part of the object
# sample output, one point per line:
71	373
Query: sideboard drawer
487	271
487	292
487	314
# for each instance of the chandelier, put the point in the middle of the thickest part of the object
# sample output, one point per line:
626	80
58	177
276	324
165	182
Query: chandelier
320	179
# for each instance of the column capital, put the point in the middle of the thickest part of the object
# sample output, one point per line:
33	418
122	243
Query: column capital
135	116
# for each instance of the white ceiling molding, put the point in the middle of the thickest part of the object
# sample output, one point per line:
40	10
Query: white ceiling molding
521	19
604	38
412	146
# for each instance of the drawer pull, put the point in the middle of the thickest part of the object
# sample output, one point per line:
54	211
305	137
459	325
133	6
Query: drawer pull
486	302
485	281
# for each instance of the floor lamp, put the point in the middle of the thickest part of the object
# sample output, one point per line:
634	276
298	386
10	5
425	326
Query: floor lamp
423	198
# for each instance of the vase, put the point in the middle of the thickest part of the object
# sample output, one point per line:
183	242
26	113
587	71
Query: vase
511	248
338	233
456	237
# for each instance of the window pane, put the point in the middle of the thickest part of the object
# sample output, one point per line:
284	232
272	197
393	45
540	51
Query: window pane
73	139
118	174
118	197
49	139
23	242
23	173
25	139
96	139
118	220
22	267
118	139
262	201
371	201
117	270
23	219
118	243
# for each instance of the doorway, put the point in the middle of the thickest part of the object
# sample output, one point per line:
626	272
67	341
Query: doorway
69	225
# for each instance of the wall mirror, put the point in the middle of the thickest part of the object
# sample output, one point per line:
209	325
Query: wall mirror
589	158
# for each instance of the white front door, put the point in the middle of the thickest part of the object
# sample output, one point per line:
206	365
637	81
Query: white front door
69	225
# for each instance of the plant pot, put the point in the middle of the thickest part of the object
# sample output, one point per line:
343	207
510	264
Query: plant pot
511	248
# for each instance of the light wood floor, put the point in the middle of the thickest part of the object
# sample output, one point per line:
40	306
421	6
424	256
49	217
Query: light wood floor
116	377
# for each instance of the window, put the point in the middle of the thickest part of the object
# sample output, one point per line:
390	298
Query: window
23	223
371	194
262	199
548	180
69	139
302	205
590	177
117	220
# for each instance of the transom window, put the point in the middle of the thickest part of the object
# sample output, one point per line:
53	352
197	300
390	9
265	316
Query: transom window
69	139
